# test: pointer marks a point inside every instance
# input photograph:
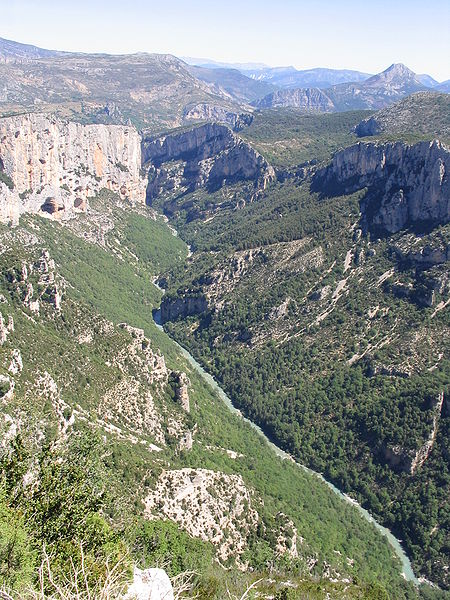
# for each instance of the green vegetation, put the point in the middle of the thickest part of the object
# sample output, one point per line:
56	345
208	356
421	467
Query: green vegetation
98	500
287	137
59	514
163	543
295	375
421	116
6	179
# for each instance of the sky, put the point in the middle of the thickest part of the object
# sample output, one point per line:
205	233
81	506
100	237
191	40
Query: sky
353	34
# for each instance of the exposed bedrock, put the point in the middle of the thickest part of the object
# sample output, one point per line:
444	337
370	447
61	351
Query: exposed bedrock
408	185
184	306
207	156
53	166
307	99
212	112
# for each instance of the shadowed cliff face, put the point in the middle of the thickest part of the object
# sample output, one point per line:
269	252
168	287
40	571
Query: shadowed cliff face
55	166
208	156
408	186
172	309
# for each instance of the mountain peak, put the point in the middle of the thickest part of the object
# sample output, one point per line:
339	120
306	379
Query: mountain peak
399	69
397	75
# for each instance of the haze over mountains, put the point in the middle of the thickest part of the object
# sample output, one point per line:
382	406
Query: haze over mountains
291	77
158	91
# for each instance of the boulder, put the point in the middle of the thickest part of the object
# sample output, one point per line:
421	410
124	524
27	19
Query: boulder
150	584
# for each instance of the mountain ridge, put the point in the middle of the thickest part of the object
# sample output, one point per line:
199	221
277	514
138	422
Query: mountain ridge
373	93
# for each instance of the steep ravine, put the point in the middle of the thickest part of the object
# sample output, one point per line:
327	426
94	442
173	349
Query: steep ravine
407	569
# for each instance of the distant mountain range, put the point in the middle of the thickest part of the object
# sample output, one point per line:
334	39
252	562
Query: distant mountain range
444	87
290	77
377	91
160	91
213	64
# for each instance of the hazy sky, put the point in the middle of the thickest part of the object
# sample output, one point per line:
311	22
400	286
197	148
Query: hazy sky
357	34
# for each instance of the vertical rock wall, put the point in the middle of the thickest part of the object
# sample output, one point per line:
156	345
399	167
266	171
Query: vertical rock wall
54	166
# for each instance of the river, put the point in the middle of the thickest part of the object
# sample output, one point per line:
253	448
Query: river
407	569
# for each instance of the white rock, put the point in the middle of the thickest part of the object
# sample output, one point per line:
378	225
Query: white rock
16	363
150	584
57	165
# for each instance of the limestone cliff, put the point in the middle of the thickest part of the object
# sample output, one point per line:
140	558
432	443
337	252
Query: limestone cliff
408	461
408	185
207	156
53	166
212	112
173	308
307	99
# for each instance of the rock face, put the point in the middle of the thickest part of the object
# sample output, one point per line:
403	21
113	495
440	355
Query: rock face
38	284
209	155
185	306
215	113
182	390
150	584
307	99
409	461
210	505
408	186
425	256
55	166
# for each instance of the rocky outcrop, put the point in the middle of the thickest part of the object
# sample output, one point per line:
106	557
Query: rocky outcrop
425	256
184	306
37	283
5	328
210	505
55	166
307	99
207	156
218	114
150	584
408	461
408	185
182	382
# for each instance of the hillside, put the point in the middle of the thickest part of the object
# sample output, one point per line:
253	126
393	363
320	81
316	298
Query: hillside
424	115
306	99
154	91
127	448
231	81
300	257
343	272
78	337
287	137
444	87
11	51
378	91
